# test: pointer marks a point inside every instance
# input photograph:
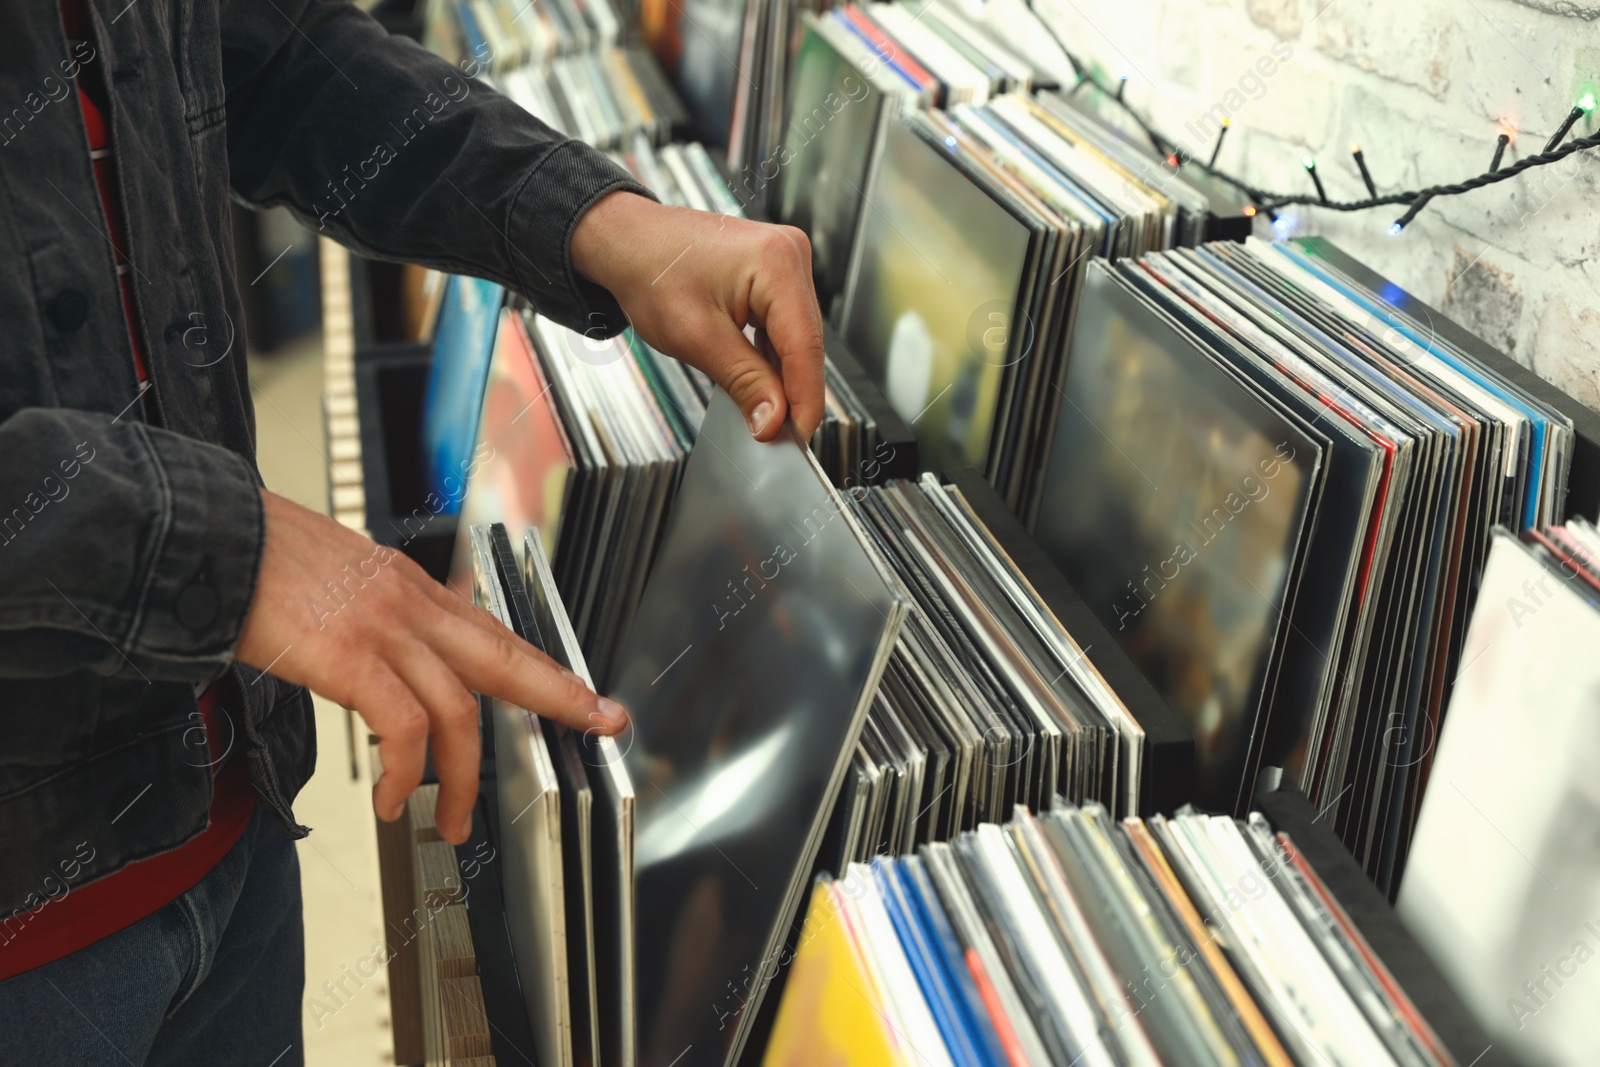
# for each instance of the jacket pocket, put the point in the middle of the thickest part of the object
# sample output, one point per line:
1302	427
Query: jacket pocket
93	817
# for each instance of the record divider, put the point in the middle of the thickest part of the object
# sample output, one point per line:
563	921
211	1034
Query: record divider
1169	742
1583	483
1291	813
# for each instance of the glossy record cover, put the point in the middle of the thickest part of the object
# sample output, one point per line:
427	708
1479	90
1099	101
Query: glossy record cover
1175	501
762	633
941	266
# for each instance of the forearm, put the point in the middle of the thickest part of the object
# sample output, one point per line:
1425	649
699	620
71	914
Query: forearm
391	150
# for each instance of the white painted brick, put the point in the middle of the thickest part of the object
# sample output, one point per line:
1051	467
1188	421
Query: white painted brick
1182	49
1567	352
1485	295
1504	68
1285	18
1408	43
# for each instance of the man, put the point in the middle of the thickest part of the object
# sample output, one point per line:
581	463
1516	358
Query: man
157	606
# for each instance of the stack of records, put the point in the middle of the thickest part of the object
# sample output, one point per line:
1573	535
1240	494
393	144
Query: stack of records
566	809
684	175
1277	490
964	277
584	440
1218	212
561	61
855	444
1503	876
504	36
988	702
1071	938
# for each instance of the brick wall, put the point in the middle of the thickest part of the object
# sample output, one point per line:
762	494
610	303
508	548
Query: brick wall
1423	86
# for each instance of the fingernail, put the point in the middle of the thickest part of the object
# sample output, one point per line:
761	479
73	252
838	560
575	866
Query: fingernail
466	827
759	417
613	712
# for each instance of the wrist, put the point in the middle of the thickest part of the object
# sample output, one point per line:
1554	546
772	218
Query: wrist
598	246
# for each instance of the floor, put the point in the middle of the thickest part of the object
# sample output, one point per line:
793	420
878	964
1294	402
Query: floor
346	1017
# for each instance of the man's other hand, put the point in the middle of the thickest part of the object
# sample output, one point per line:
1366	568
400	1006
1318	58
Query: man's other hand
364	626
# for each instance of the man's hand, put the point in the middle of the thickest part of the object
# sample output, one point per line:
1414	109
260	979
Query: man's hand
691	281
365	626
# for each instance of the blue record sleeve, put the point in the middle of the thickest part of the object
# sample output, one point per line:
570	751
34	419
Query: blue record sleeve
463	343
924	899
943	1001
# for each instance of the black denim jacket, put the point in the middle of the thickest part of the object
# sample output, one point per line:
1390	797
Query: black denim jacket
129	546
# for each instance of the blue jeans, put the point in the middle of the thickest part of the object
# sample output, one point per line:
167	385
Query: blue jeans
215	977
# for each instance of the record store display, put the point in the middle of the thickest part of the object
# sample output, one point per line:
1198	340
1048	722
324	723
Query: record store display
1503	880
1072	938
1277	489
748	671
952	729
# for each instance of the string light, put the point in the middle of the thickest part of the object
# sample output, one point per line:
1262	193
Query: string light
1361	165
1216	148
1269	201
1499	150
1249	211
1122	84
1584	105
1411	212
1311	169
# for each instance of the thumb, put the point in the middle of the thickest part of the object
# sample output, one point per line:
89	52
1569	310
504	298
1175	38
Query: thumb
750	379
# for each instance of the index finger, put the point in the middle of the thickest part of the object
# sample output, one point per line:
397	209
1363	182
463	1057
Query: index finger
489	658
784	301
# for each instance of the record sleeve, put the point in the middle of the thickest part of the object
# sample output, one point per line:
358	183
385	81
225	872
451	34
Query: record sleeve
1176	504
532	873
748	671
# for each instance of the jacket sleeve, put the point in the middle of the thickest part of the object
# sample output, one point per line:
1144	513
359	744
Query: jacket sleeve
125	549
374	141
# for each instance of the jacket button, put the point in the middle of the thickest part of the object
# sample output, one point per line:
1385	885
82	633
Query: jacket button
197	606
69	310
